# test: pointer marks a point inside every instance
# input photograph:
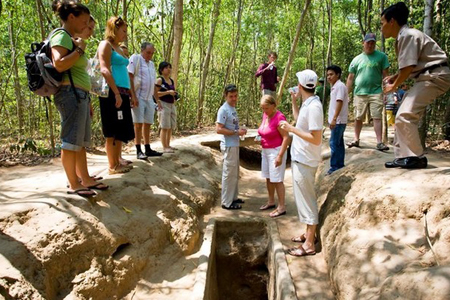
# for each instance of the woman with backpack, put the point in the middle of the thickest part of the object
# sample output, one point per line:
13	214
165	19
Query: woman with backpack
72	99
166	94
115	110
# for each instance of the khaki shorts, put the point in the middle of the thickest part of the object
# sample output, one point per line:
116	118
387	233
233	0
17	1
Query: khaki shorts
168	116
375	102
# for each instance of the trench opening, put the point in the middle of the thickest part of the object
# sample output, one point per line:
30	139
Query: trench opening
241	257
121	250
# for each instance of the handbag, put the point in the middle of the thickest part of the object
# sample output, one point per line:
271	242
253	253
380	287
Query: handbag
99	86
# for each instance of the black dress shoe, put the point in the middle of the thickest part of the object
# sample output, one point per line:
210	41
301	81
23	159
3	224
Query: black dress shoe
410	162
151	153
391	164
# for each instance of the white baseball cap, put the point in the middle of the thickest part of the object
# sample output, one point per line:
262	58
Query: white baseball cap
307	78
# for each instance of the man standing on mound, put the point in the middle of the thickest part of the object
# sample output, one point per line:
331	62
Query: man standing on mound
306	155
419	58
227	124
143	77
367	71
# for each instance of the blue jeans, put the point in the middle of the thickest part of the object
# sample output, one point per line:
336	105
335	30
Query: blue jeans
337	147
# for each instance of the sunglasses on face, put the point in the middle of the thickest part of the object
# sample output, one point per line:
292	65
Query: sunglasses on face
119	22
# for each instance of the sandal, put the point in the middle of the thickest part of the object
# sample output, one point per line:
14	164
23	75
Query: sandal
119	169
267	206
83	192
168	150
239	201
299	251
125	162
353	144
276	213
232	206
299	239
99	186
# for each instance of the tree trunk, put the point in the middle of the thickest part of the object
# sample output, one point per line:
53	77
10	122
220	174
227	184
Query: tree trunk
384	124
177	39
201	97
47	104
330	32
235	44
292	51
428	30
17	88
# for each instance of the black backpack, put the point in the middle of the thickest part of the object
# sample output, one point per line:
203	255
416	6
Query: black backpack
43	79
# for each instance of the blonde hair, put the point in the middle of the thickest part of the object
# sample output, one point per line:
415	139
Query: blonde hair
268	99
112	25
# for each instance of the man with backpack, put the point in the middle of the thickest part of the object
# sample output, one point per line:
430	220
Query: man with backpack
142	78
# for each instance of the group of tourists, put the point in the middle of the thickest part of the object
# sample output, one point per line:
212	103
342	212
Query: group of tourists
419	58
135	93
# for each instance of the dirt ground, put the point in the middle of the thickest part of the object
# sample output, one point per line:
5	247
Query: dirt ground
140	239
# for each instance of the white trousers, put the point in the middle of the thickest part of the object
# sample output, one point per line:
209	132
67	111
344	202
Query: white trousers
230	175
303	178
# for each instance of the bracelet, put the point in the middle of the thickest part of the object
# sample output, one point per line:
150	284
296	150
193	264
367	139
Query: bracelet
79	50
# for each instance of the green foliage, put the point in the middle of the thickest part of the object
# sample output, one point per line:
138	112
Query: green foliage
266	25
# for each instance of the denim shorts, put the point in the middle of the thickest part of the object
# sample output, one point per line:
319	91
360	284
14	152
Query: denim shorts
75	118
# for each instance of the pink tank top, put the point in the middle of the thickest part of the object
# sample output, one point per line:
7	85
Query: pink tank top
270	136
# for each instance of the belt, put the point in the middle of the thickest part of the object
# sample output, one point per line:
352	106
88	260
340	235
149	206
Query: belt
431	68
123	91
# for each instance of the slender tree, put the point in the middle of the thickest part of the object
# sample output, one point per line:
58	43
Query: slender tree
177	39
293	47
201	97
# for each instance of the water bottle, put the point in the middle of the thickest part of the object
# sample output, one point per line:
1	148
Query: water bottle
242	137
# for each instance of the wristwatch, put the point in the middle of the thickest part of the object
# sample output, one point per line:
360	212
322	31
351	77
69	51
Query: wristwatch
79	50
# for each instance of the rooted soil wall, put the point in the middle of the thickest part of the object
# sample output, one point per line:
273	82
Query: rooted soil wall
372	229
57	246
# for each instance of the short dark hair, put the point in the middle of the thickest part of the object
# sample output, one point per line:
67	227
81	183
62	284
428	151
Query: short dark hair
273	53
230	88
144	45
335	69
64	8
163	65
398	11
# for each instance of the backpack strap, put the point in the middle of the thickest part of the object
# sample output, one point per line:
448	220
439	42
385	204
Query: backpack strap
70	51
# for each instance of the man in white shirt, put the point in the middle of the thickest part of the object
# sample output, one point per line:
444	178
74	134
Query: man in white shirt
142	78
337	117
306	155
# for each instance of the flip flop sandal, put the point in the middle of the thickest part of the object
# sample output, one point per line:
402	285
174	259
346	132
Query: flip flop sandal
83	192
125	162
239	201
232	206
299	251
99	186
276	213
96	178
267	206
353	144
299	239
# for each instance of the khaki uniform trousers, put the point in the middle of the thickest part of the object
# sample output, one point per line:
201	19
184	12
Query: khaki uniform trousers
428	87
230	175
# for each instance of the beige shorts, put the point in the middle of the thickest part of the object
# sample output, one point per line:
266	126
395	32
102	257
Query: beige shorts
167	116
375	102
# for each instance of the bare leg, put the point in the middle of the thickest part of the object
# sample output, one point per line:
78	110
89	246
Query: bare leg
146	128
308	245
82	168
271	191
111	153
168	137
358	127
68	159
279	186
164	141
138	133
377	128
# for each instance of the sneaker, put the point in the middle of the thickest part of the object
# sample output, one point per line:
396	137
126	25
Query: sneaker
141	155
382	147
353	144
152	152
